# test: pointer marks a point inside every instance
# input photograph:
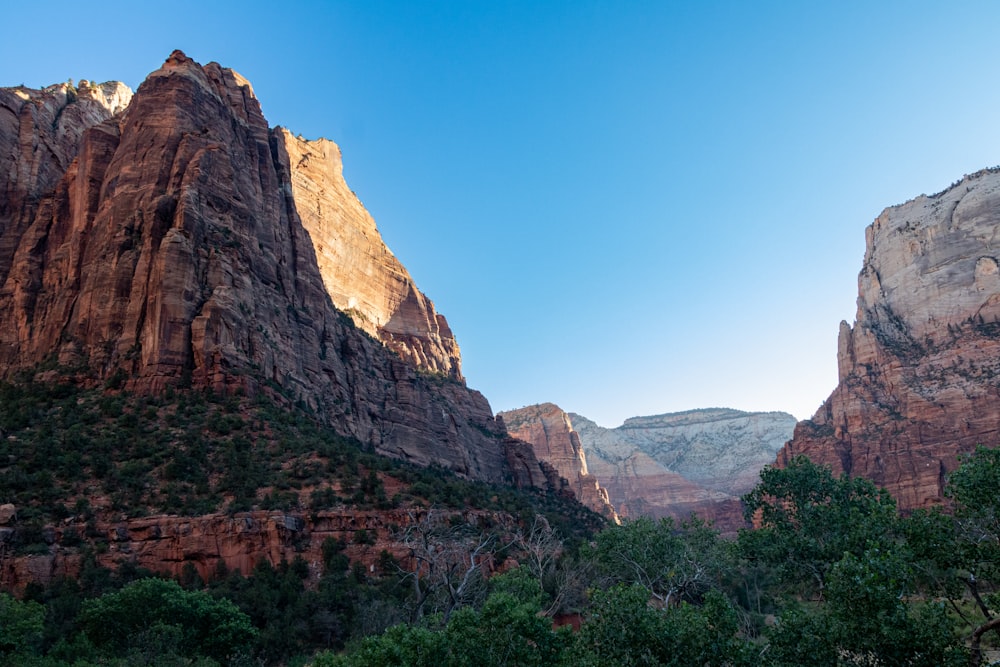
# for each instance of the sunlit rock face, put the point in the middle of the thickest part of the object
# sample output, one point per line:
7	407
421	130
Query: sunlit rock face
549	431
40	134
161	244
920	368
677	464
360	273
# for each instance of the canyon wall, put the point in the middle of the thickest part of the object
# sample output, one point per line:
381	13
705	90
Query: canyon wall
717	448
214	543
919	370
174	240
550	433
361	275
698	462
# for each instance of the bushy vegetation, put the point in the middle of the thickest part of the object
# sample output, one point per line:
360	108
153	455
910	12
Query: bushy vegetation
194	452
829	575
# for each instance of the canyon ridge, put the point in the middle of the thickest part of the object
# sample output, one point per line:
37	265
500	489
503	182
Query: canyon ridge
919	370
170	238
696	462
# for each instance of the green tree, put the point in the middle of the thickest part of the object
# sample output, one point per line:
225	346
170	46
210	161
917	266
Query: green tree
807	520
399	646
192	622
508	631
674	563
867	620
623	629
958	553
22	625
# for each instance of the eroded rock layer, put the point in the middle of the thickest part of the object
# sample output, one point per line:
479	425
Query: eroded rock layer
215	543
717	448
166	247
549	431
920	368
696	462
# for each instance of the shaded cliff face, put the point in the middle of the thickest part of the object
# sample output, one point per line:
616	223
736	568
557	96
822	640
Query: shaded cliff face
40	132
237	542
919	371
550	433
171	251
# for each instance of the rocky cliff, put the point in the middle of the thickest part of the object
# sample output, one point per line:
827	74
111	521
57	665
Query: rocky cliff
698	461
919	371
549	431
718	448
40	134
176	243
360	273
219	542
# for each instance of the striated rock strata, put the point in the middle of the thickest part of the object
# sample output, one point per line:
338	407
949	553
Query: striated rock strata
40	134
919	371
697	462
218	542
549	431
175	243
717	448
676	465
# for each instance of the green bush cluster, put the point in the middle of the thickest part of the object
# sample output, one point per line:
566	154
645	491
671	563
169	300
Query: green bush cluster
193	452
830	575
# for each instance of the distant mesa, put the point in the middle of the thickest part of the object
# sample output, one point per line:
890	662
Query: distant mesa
696	462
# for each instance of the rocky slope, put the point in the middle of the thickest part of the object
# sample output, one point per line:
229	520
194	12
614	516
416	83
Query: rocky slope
175	243
235	542
920	368
549	431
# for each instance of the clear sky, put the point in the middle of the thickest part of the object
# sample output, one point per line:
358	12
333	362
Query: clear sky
625	208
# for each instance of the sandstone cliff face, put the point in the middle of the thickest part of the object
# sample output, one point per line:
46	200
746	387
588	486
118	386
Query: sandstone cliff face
360	273
920	368
40	132
719	449
549	431
171	251
169	544
640	485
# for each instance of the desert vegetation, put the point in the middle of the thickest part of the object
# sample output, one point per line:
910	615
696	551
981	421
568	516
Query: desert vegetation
826	572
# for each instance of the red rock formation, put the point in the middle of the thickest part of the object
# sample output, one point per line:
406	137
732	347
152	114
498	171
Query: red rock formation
549	431
169	544
361	274
171	250
40	133
616	476
920	368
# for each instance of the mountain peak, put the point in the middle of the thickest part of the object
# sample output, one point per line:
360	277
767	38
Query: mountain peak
185	243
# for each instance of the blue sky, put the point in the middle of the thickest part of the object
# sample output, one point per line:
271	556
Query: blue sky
625	208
